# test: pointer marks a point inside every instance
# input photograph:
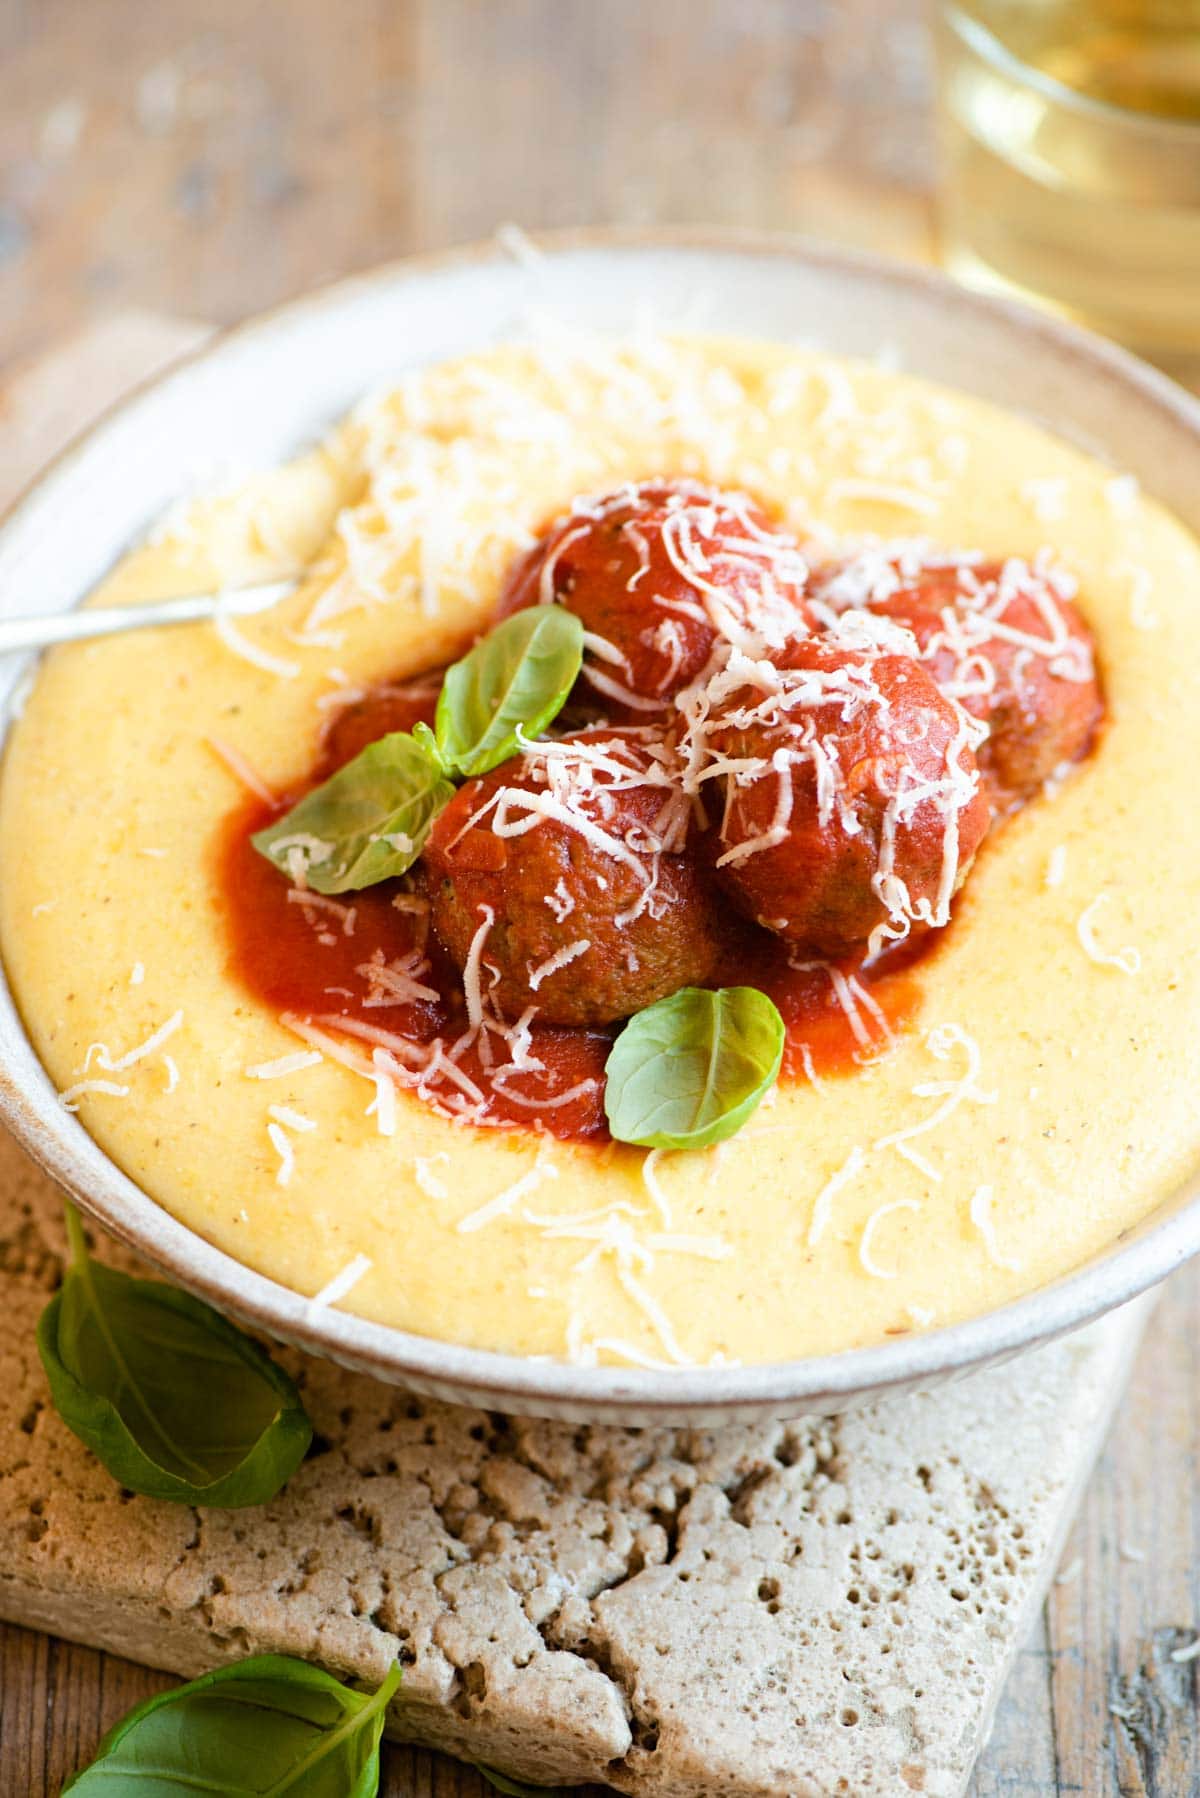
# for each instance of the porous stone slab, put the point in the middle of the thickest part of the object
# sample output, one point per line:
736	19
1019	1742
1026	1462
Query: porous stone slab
823	1606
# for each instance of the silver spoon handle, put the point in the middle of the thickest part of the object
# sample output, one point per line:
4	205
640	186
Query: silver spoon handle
77	626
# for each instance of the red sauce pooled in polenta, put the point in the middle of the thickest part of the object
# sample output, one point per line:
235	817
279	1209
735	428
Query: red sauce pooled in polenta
303	956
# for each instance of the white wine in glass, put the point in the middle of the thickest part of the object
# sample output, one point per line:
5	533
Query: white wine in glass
1070	133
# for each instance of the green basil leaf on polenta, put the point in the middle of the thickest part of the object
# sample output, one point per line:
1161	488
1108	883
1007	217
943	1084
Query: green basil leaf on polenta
691	1069
366	823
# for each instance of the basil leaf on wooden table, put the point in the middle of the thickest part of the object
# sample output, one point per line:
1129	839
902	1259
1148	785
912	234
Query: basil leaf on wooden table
519	675
260	1728
368	822
689	1070
176	1402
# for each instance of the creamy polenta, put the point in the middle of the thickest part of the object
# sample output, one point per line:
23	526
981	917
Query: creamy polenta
1038	1102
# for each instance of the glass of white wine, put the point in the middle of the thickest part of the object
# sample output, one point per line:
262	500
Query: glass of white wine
1070	135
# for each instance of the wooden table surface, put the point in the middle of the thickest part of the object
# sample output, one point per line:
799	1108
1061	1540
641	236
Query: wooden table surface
208	158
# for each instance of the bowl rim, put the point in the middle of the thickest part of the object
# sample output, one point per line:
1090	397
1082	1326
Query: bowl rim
1114	1276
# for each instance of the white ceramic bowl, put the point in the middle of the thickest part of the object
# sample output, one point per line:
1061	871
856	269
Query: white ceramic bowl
274	384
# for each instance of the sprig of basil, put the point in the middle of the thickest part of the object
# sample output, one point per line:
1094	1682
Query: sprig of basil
261	1728
367	822
512	1788
689	1070
175	1401
516	678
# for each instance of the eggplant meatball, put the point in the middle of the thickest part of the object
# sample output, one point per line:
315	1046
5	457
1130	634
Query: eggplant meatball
1005	640
394	706
562	881
853	805
658	573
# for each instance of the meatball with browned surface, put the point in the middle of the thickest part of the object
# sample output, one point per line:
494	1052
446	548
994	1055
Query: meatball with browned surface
659	572
853	805
363	720
562	881
1006	641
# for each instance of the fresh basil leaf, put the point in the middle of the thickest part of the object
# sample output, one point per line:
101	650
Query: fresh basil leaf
690	1070
368	822
429	743
511	1787
175	1401
261	1728
517	677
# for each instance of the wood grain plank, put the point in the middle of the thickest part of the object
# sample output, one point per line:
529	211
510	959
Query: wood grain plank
204	158
210	158
57	1700
1126	1709
1021	1747
690	110
1123	1712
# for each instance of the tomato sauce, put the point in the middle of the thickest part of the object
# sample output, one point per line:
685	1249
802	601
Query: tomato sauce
365	969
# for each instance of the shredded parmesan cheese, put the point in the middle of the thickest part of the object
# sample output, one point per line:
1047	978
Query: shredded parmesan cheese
886	493
1046	497
849	1169
651	1182
585	1354
69	1099
655	1316
706	1248
426	1179
941	1043
1122	493
504	1201
242	771
561	958
238	644
870	1265
981	1217
560	901
152	1043
1125	961
281	1143
341	1283
291	1120
810	1072
472	986
1142	614
283	1065
610	1229
383	1105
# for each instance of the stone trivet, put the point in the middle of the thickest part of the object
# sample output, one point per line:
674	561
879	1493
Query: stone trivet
825	1606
